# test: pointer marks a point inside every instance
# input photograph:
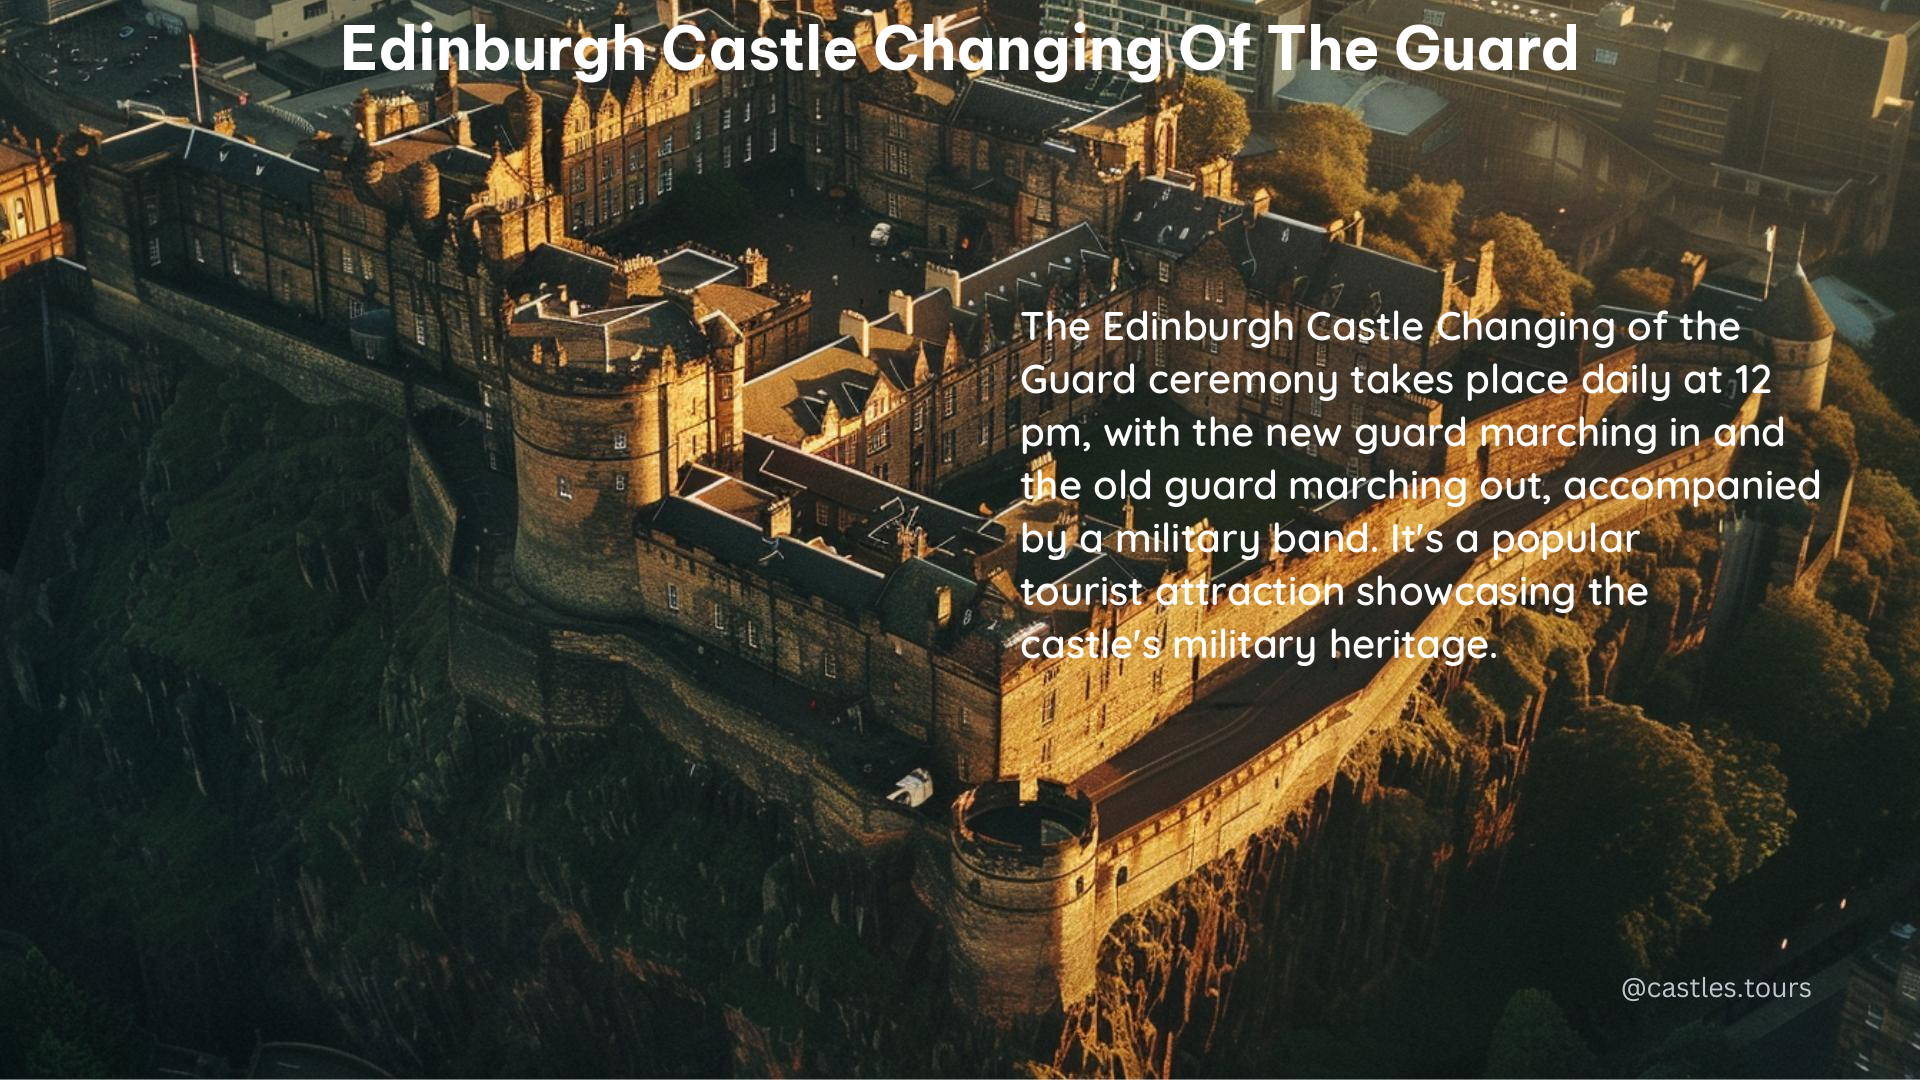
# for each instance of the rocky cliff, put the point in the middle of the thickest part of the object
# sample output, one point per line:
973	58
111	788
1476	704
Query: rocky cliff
244	798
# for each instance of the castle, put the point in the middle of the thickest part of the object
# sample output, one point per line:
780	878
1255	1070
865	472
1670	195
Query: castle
684	461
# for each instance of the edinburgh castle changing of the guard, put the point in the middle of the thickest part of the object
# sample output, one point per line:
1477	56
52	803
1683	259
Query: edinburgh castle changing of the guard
705	517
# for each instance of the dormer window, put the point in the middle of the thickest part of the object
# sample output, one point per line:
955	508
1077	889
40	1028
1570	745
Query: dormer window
562	489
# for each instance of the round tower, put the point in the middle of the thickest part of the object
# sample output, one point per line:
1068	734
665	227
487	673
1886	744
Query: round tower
1795	335
1024	926
599	433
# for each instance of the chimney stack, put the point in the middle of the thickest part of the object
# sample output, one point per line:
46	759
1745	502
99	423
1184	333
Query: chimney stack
942	277
855	325
899	303
754	265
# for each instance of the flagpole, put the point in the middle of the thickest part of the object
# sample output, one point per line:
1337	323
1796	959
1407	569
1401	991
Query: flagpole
193	57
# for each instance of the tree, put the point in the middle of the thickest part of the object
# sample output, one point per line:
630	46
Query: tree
1381	242
1318	170
1213	123
1801	674
1622	841
1421	215
1637	287
1533	1038
1887	438
1529	273
1895	343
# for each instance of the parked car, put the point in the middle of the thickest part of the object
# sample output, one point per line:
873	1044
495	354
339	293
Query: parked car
881	236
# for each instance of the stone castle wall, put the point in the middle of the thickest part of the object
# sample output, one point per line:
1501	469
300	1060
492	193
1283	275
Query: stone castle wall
1145	860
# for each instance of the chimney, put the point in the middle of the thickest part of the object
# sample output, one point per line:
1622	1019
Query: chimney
1215	178
942	277
777	518
855	325
754	264
942	606
1258	204
462	129
642	277
899	303
669	12
910	543
1042	469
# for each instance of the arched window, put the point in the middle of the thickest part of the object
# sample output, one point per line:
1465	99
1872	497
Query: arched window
19	217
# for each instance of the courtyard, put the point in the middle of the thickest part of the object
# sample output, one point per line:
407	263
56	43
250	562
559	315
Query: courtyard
811	241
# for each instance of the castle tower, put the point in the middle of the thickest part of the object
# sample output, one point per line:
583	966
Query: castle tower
1021	907
600	431
524	121
1795	335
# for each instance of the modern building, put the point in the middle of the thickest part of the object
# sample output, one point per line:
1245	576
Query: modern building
1796	112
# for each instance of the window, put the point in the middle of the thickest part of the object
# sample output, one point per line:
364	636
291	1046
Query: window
1165	271
1609	57
233	264
879	437
356	307
1433	17
673	597
896	158
948	442
1319	354
719	616
199	253
577	179
726	119
919	415
366	269
153	251
983	386
746	111
773	103
1875	1016
896	125
666	145
746	148
619	479
986	427
893	204
699	128
562	488
753	634
419	329
700	162
1213	346
822	512
949	399
346	260
1049	708
666	178
829	665
315	10
620	440
1315	407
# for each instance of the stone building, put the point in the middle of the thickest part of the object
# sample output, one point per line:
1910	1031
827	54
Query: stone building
32	231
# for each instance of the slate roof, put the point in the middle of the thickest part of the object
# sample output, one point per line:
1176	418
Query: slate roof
1792	312
1279	257
992	298
774	465
208	152
990	104
804	568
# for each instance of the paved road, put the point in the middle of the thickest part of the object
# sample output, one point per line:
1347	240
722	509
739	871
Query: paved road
1216	735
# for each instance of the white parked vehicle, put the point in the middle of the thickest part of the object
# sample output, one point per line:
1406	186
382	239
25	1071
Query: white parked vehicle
913	789
881	236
